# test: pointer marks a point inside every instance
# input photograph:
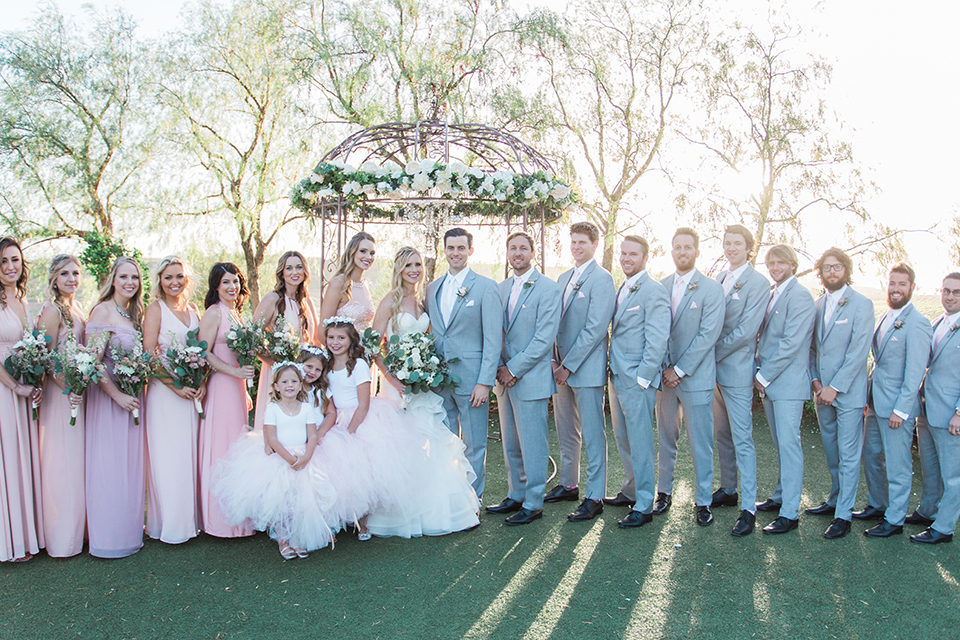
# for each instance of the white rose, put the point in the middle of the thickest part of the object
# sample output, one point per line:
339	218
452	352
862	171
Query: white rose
232	335
559	192
370	167
427	165
529	193
347	169
421	182
412	168
316	178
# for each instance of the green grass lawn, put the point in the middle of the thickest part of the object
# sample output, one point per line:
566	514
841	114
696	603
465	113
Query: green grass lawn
551	579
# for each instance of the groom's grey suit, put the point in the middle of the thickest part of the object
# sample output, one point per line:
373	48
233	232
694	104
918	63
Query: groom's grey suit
638	344
582	348
528	338
473	334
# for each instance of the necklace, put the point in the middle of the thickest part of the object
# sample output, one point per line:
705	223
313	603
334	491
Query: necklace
292	411
122	312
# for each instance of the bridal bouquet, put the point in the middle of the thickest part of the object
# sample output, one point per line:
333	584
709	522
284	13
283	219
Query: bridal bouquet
283	343
372	343
29	359
187	364
132	370
247	340
80	367
414	360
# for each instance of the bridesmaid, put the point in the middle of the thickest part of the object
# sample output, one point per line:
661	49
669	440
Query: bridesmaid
20	535
172	423
347	294
227	407
290	298
61	445
114	444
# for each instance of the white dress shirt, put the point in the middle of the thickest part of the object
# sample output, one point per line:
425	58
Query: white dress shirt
448	296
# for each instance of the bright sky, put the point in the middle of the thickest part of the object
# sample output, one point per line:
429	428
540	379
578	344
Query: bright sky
893	86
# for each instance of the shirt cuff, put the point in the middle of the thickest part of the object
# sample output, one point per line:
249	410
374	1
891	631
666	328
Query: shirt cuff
763	381
678	371
643	382
901	414
510	372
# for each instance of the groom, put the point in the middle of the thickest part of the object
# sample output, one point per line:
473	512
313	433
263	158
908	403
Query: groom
467	322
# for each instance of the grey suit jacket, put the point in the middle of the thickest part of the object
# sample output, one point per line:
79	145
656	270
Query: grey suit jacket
742	316
838	352
584	321
694	332
941	389
899	364
529	335
474	332
783	349
639	333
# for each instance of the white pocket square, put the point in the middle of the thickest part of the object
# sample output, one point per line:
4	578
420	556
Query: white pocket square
580	294
844	321
735	296
469	303
523	306
693	305
894	339
636	308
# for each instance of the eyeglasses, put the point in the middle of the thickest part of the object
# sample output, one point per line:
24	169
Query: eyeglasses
950	292
827	268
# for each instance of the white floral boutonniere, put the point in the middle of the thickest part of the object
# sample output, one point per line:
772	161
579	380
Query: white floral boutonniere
462	292
634	288
692	287
527	285
738	285
577	286
898	325
956	325
842	303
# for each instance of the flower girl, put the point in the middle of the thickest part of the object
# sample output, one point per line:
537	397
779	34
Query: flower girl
285	491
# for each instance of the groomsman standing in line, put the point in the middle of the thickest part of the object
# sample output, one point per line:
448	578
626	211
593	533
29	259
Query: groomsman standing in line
580	370
531	313
745	296
838	367
638	344
901	349
941	391
689	374
783	378
466	318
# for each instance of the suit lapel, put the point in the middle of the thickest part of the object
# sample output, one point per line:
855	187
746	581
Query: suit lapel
903	317
629	298
947	337
438	321
695	279
573	294
525	291
467	284
837	313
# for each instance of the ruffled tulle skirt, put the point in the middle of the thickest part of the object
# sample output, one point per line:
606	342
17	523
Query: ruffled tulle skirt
444	500
266	493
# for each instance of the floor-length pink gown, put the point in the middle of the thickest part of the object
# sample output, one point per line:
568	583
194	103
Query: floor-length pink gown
225	421
62	464
292	315
173	428
114	461
21	530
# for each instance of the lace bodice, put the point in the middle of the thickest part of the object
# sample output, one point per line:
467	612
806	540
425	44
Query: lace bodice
360	307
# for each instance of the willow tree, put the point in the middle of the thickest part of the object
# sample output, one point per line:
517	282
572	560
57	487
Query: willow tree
611	74
75	124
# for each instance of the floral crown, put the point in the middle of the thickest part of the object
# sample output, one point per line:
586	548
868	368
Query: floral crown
337	320
277	366
315	351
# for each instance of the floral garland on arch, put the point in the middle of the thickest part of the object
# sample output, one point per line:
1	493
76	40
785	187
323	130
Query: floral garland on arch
455	181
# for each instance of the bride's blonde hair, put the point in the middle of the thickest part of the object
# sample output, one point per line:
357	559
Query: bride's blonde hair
396	284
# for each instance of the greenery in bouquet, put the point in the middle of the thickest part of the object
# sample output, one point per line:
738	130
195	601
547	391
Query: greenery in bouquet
80	367
372	343
283	343
247	340
30	359
414	360
132	370
187	364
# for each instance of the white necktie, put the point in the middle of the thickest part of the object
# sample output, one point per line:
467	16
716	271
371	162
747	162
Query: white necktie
941	331
728	283
570	286
515	294
885	326
677	294
447	298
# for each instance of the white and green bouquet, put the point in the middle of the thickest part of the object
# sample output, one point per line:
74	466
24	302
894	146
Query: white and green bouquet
80	367
29	360
283	343
132	370
187	364
414	360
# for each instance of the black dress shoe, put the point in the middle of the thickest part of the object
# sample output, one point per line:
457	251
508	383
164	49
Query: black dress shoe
869	513
837	529
662	505
823	510
916	518
931	536
723	499
768	505
560	492
509	505
524	516
588	510
635	519
745	523
883	530
619	501
781	525
704	516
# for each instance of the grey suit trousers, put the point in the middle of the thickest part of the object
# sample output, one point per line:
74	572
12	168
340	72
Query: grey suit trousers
784	419
948	456
523	430
842	435
892	490
632	411
932	486
578	414
697	413
733	427
470	425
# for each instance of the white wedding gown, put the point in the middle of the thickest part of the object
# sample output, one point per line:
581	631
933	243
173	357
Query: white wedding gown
446	501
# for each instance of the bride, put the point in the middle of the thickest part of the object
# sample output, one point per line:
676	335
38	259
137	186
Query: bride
448	502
